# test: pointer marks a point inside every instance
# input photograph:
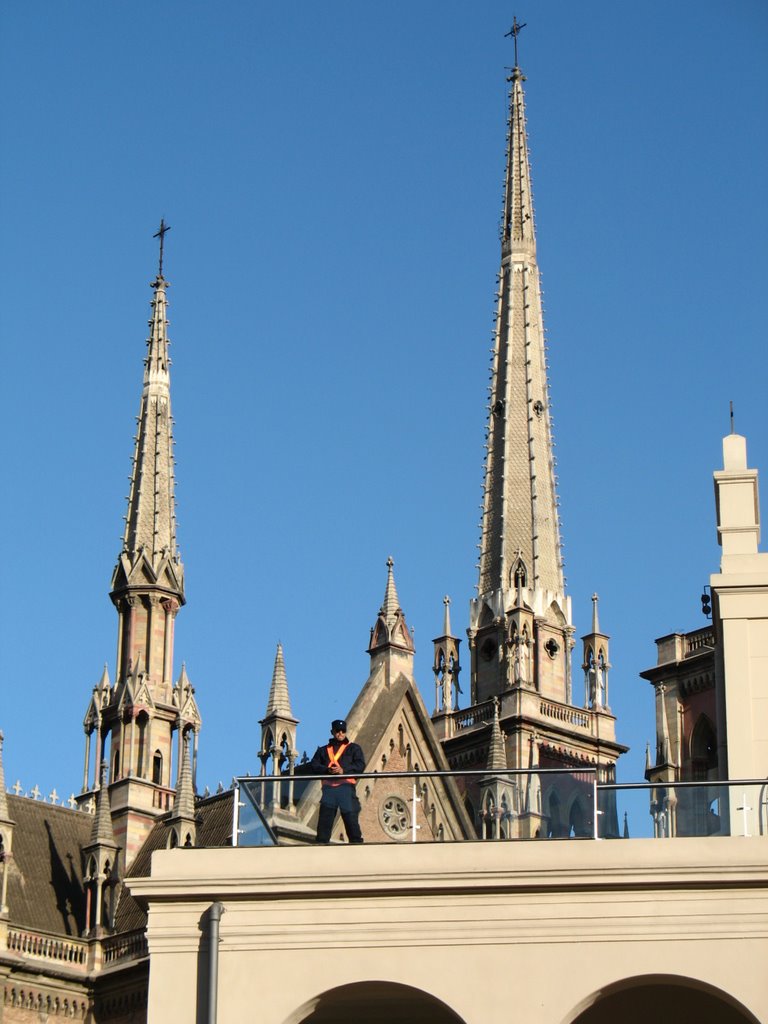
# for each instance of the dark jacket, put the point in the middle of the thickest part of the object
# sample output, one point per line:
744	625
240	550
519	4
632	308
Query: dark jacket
352	760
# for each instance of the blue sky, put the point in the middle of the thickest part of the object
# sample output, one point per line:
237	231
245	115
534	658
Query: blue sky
332	175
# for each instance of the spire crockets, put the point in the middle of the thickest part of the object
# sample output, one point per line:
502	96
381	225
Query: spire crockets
149	562
520	563
279	701
520	529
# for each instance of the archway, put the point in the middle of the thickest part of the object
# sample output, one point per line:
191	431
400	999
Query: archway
663	998
375	1002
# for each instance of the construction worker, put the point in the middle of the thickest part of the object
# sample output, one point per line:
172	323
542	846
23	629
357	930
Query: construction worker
342	760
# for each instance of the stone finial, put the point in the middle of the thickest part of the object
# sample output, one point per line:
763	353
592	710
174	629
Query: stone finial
3	797
447	616
391	604
102	832
184	798
497	754
391	629
595	622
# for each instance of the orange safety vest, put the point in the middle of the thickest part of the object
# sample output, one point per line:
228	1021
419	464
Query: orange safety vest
333	758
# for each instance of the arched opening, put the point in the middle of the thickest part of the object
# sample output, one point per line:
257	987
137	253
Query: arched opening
661	998
703	750
142	721
375	1002
555	828
157	768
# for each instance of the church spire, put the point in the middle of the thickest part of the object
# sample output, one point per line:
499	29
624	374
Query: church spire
149	570
144	710
521	583
150	525
520	528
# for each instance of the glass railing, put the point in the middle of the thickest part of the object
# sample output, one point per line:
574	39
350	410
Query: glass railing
452	806
686	809
424	806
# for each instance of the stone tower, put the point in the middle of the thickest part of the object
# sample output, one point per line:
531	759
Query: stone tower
140	714
521	632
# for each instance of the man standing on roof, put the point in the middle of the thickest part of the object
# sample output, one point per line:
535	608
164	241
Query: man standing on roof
342	760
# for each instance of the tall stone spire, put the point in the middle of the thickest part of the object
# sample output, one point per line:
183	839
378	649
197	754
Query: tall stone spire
521	632
520	556
520	528
150	526
140	715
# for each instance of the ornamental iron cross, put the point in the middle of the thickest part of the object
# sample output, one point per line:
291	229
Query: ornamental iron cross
515	32
161	235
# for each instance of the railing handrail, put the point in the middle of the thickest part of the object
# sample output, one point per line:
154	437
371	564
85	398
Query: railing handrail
708	784
422	773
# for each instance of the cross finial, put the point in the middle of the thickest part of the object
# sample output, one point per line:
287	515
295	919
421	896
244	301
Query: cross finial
161	235
733	427
515	32
390	562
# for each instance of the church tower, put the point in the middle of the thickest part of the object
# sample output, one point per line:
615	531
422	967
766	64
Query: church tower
140	714
521	632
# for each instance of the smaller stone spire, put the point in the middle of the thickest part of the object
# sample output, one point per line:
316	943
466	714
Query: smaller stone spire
102	833
279	701
278	726
3	797
391	629
497	754
391	605
447	617
184	797
595	623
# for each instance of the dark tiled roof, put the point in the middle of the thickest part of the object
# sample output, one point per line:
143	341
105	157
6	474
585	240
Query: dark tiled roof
45	883
214	828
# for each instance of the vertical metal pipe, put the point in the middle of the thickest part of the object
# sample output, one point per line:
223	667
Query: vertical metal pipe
214	917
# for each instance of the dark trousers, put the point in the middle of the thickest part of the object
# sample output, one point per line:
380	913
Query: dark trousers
343	799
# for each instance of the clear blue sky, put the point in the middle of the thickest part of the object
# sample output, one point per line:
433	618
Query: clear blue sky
332	175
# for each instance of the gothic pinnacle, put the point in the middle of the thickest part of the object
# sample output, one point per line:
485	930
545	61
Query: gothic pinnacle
279	701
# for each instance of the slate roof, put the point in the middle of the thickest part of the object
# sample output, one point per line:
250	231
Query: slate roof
214	828
45	881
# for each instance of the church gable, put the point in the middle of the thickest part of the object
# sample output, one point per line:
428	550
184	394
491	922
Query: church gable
391	724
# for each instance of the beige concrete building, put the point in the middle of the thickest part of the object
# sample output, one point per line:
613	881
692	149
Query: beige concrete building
555	933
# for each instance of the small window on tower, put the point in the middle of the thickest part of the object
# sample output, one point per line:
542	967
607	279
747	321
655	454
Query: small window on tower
488	650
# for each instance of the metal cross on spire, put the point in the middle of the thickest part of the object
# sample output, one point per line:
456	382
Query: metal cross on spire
161	235
515	32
